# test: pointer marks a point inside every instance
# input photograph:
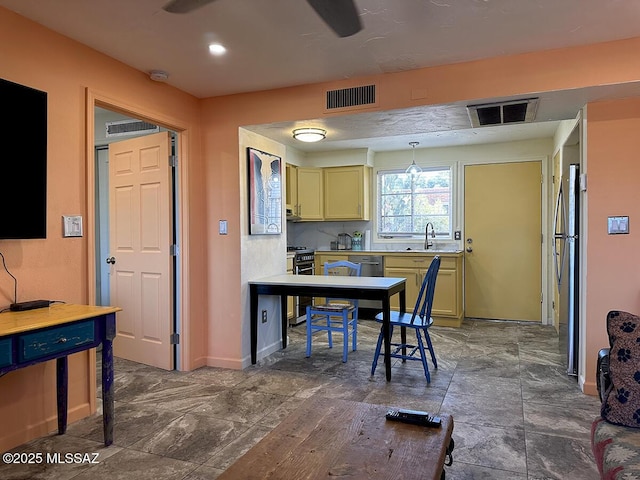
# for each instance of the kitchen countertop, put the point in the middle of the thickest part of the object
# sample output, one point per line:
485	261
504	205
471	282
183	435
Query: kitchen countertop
420	251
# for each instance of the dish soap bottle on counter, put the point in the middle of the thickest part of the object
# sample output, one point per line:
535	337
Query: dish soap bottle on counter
356	241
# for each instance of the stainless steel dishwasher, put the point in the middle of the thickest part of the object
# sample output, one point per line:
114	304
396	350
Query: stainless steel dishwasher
372	266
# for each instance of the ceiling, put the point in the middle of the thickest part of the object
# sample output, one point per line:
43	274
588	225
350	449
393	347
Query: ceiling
280	43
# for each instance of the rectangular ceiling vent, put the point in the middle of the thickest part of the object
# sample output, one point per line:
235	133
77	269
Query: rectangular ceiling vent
503	113
122	128
351	97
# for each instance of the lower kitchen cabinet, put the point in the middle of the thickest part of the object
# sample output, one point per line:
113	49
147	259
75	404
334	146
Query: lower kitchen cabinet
321	259
447	301
290	300
447	307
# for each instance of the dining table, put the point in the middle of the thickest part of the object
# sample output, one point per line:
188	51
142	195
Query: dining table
327	286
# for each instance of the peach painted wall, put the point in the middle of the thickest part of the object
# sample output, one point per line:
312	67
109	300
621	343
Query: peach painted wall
56	267
613	189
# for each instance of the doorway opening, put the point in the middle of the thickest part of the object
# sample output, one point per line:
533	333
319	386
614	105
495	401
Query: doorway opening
101	252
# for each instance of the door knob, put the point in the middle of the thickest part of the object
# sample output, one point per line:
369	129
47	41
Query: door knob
111	260
469	249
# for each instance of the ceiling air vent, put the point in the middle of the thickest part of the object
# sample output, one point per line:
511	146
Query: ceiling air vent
122	128
503	113
351	97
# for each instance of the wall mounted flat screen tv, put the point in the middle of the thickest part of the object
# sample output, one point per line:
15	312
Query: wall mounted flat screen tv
23	166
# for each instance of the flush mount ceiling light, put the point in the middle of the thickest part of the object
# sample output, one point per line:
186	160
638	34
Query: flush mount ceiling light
217	49
309	134
413	169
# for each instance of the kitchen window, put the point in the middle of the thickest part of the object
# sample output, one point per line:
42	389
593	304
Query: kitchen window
407	203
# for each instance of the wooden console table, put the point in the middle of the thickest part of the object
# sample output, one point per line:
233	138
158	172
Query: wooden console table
44	334
327	438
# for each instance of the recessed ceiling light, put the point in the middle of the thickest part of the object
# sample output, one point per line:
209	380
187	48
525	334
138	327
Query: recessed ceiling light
217	49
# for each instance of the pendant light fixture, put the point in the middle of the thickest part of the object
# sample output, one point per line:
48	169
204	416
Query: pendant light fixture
413	169
309	134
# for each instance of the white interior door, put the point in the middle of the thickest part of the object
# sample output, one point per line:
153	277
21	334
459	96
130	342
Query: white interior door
139	240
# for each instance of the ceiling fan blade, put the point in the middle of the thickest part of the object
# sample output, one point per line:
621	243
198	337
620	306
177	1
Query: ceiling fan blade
184	6
340	15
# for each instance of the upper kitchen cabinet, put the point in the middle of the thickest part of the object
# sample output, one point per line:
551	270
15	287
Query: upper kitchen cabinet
292	188
309	194
347	193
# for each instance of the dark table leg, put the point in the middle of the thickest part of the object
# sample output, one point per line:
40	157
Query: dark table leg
62	387
386	333
403	330
386	328
253	307
283	316
107	379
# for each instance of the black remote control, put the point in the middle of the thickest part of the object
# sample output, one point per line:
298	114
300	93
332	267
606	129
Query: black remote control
414	417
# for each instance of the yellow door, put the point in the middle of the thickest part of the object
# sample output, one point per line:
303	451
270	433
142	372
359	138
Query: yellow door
139	242
503	232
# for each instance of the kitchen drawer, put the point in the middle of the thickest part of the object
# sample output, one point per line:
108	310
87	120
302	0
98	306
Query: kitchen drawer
55	340
416	261
406	261
5	352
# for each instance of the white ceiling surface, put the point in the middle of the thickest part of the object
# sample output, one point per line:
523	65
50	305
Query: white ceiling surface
280	43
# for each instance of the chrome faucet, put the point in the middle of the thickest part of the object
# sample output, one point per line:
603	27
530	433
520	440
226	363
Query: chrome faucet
429	243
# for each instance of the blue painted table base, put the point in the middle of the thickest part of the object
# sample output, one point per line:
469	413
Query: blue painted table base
103	333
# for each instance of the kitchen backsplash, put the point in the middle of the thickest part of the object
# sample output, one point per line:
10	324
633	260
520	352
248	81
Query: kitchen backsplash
319	235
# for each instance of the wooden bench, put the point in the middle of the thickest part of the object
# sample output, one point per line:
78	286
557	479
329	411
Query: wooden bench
327	438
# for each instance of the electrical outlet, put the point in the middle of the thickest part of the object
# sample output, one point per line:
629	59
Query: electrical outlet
264	316
457	235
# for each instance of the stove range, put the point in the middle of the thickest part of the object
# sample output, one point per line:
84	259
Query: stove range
303	264
299	249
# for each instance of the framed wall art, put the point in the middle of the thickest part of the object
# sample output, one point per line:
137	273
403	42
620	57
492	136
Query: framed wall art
265	192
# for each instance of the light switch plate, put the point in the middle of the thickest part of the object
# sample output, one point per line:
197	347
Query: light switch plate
72	225
617	225
222	227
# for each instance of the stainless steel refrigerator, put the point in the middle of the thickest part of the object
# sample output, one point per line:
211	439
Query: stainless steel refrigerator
566	254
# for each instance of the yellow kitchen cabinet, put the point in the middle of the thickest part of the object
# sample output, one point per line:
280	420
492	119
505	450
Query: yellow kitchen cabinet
291	197
347	193
447	300
310	194
320	260
290	302
410	267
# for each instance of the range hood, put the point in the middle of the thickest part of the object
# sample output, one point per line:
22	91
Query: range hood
503	113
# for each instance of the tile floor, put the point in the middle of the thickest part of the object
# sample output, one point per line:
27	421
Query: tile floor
517	415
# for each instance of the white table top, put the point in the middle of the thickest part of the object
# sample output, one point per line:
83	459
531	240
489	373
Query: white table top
330	281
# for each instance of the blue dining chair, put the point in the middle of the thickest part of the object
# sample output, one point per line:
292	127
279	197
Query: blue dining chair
420	320
335	315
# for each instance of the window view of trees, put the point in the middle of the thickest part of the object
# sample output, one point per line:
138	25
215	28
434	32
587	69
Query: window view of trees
406	203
